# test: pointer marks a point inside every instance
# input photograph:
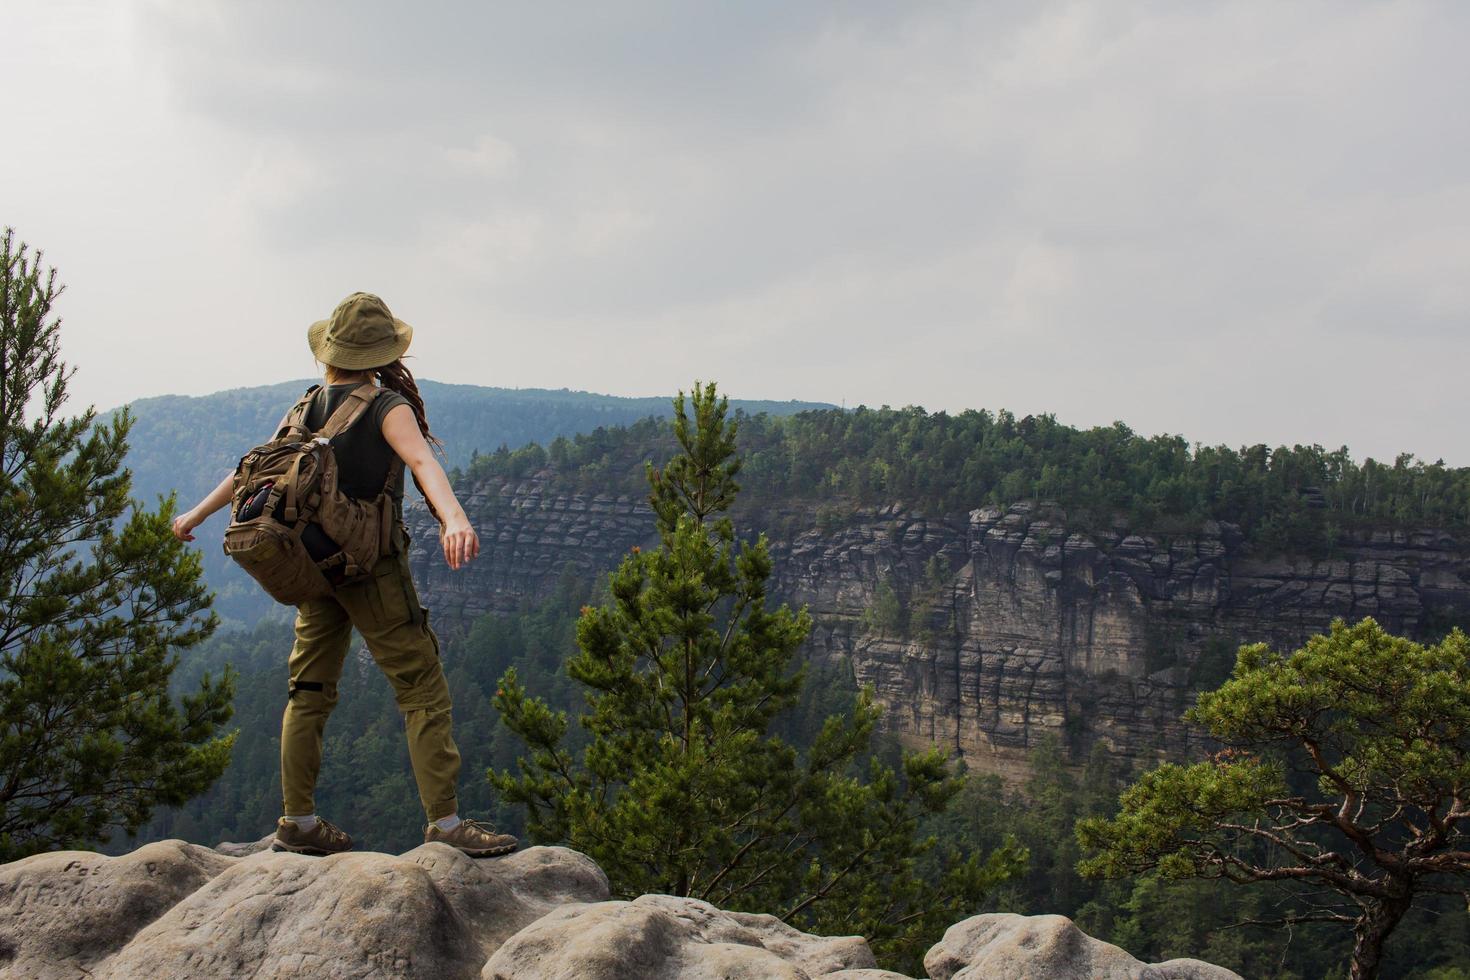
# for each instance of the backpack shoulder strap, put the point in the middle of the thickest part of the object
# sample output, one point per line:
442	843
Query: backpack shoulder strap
352	408
295	425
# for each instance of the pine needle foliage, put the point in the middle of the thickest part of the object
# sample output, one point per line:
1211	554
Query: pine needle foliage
681	789
96	595
1346	771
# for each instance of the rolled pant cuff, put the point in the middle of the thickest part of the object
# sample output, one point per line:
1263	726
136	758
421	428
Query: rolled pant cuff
443	808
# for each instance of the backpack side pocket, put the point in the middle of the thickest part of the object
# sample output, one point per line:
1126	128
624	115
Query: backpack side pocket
277	559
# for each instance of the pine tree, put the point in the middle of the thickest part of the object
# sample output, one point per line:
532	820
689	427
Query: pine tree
680	788
96	595
1345	771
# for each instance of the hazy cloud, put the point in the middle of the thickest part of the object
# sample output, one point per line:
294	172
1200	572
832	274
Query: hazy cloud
1242	222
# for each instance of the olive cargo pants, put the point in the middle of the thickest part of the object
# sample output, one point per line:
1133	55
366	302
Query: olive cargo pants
385	609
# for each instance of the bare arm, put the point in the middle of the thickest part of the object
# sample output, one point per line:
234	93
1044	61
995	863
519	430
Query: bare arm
459	540
186	522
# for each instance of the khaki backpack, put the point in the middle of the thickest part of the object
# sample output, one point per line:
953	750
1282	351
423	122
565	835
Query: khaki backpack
292	529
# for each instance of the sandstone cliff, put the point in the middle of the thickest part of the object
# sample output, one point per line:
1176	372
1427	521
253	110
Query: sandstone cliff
1011	624
172	909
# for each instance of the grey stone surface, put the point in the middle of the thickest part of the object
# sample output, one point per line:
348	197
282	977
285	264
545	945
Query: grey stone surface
232	849
66	911
1004	946
657	937
173	909
431	912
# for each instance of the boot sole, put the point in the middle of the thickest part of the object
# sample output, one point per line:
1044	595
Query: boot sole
482	852
305	849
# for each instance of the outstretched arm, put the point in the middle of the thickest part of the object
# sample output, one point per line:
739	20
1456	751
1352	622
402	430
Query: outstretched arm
401	429
186	522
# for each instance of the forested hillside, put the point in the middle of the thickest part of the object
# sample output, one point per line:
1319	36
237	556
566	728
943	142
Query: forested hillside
1296	498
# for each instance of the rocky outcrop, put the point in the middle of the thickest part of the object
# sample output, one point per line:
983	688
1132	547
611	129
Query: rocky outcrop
658	937
67	912
172	909
1001	944
1011	624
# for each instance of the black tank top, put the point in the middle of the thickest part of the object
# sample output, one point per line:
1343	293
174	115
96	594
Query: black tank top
363	455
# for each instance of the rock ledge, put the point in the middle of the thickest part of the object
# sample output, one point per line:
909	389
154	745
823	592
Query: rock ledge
172	909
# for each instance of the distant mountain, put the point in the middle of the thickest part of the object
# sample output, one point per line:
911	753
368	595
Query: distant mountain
186	444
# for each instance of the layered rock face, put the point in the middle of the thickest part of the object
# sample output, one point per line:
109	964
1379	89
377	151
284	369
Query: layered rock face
1018	625
172	909
529	538
985	631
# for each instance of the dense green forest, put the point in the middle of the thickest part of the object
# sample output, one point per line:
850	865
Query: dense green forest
187	444
367	785
365	735
1298	498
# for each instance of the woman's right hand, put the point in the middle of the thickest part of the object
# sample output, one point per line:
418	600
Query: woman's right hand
184	524
461	543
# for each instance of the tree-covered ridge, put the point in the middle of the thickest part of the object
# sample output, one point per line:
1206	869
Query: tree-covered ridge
1299	497
186	443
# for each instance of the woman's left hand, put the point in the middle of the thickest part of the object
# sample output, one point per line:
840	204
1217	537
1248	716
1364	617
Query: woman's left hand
459	541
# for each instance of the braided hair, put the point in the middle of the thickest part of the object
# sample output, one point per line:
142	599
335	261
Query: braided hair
396	377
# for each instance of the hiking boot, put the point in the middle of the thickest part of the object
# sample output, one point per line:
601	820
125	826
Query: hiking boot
474	838
324	838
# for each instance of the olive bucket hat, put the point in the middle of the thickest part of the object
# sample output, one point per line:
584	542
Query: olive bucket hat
360	334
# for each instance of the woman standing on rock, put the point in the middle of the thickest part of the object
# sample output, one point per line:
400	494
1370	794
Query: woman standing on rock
363	340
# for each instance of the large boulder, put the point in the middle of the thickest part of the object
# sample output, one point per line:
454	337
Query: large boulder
657	937
66	911
1005	946
432	912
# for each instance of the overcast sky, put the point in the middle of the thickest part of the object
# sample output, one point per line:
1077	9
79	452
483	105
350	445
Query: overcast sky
1244	222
